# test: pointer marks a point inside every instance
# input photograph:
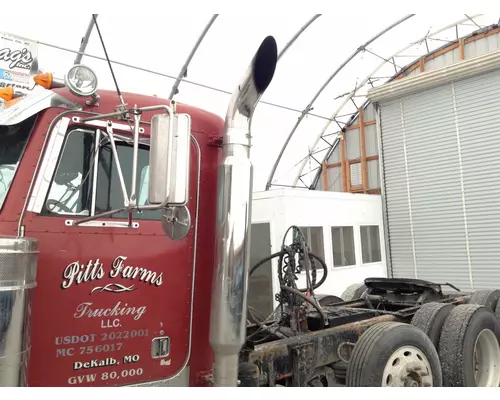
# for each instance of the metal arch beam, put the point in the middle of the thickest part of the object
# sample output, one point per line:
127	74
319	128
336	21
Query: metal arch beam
334	145
295	37
162	74
182	73
365	80
297	34
474	22
85	40
318	93
429	34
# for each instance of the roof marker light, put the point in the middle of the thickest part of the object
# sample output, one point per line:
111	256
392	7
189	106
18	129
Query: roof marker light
7	93
12	102
44	80
48	81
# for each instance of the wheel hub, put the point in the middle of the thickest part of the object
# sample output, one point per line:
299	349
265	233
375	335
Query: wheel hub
407	367
486	360
409	382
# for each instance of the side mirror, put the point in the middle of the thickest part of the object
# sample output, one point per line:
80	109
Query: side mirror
169	156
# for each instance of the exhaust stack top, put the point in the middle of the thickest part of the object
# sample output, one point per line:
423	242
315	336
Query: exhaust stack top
230	283
254	83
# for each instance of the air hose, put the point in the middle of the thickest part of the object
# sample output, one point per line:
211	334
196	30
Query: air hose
281	254
288	268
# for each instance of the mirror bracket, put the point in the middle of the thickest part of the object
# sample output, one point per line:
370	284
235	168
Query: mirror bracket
95	100
176	222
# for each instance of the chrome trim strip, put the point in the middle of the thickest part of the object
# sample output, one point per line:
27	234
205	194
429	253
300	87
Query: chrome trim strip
18	287
195	248
103	124
97	148
184	371
103	224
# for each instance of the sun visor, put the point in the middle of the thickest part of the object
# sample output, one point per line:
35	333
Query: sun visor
19	109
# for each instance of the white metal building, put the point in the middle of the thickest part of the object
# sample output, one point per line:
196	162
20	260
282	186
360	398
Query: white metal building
440	136
434	131
344	229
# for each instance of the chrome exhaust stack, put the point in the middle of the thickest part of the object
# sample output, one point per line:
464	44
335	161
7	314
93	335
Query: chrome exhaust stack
230	283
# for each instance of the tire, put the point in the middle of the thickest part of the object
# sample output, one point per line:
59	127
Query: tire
467	325
353	292
327	299
488	298
378	354
430	319
497	310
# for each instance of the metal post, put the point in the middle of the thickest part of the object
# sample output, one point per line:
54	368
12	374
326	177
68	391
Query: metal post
85	40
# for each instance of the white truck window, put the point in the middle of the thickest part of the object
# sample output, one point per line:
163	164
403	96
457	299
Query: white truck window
70	192
142	197
7	172
13	141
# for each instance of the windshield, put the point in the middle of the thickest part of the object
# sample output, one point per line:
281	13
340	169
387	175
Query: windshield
13	140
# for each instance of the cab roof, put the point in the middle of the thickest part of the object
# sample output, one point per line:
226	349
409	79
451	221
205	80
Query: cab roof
202	120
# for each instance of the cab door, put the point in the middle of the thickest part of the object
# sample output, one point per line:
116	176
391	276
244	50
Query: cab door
114	296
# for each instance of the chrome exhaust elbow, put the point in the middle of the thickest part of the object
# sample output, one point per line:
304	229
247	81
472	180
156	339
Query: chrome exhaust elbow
234	205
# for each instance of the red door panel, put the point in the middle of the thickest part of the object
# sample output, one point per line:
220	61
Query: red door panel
100	301
104	298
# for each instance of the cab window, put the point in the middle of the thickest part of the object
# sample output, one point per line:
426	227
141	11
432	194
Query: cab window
13	141
71	188
70	192
109	192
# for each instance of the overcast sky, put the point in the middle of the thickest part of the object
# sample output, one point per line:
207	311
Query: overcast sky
225	53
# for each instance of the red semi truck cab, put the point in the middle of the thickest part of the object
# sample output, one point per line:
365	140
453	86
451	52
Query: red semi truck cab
116	247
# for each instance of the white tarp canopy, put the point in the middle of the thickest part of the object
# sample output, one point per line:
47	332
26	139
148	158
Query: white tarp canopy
162	43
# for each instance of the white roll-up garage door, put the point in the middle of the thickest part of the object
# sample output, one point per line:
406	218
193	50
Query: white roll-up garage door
440	150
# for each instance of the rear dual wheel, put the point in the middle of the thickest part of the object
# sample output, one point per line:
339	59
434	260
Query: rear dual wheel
430	318
466	337
488	298
469	347
394	354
